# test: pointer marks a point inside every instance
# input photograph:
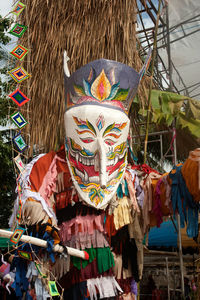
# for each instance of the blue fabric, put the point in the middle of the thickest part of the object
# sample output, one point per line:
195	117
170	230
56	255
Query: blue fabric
50	243
133	157
120	191
183	201
126	188
164	236
21	282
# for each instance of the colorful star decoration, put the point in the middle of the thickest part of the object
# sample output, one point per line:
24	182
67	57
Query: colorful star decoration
19	74
19	142
25	254
18	30
19	163
53	289
16	236
19	52
19	7
18	120
18	97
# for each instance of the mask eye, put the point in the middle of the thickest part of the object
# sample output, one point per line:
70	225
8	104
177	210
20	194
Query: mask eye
109	142
87	140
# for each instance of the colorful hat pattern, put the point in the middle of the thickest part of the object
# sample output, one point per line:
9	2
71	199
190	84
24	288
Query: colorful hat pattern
102	82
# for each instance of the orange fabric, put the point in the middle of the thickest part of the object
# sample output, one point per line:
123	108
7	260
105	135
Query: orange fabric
191	174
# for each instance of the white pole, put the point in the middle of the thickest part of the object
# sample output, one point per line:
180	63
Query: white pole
41	243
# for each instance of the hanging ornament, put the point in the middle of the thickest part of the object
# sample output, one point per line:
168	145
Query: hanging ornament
19	142
18	30
16	236
18	120
19	7
25	255
19	74
18	97
53	288
19	163
19	52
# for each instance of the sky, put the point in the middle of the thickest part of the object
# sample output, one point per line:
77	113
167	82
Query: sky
5	7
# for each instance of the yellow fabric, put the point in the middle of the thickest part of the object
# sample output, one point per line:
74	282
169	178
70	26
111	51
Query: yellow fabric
122	213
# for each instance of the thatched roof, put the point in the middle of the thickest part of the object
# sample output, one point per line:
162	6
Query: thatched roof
88	30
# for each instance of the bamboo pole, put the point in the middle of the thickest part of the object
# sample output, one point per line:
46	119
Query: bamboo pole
151	82
42	243
168	287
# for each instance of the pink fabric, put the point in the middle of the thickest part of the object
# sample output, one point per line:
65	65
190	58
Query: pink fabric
49	182
167	192
132	191
86	224
84	240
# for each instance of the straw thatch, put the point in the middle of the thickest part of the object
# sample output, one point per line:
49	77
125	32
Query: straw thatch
88	30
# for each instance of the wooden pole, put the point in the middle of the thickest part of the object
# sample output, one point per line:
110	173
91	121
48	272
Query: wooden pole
168	287
42	243
151	82
180	256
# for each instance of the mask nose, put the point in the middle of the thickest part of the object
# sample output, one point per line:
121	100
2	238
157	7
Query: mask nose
102	164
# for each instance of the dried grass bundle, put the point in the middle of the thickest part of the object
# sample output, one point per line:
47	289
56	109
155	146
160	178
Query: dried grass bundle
88	30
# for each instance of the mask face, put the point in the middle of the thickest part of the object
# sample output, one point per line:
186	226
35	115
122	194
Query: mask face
96	150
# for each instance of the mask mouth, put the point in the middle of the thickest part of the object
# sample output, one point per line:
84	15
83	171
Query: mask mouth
87	168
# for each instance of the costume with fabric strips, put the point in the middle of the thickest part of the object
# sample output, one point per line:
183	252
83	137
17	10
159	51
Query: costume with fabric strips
86	196
86	191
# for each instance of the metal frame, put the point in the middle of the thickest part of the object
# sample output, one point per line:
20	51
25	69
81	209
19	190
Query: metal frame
145	39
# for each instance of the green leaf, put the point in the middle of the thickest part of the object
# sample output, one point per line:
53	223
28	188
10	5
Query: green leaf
143	112
194	106
155	99
191	124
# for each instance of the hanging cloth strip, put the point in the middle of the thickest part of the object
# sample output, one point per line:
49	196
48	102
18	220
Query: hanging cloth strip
132	191
122	213
146	184
21	282
157	207
84	240
84	224
191	173
106	286
138	188
183	201
104	258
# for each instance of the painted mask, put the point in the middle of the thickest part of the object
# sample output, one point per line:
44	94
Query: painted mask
98	97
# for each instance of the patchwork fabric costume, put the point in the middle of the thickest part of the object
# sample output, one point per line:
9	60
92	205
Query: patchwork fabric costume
84	194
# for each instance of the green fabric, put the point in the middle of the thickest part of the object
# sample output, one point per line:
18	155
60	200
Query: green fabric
104	258
5	242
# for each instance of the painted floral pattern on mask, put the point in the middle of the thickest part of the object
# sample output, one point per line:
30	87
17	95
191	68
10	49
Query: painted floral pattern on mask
85	165
99	89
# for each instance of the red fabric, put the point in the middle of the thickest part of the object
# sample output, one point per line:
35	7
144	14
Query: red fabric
76	276
144	168
110	226
39	170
